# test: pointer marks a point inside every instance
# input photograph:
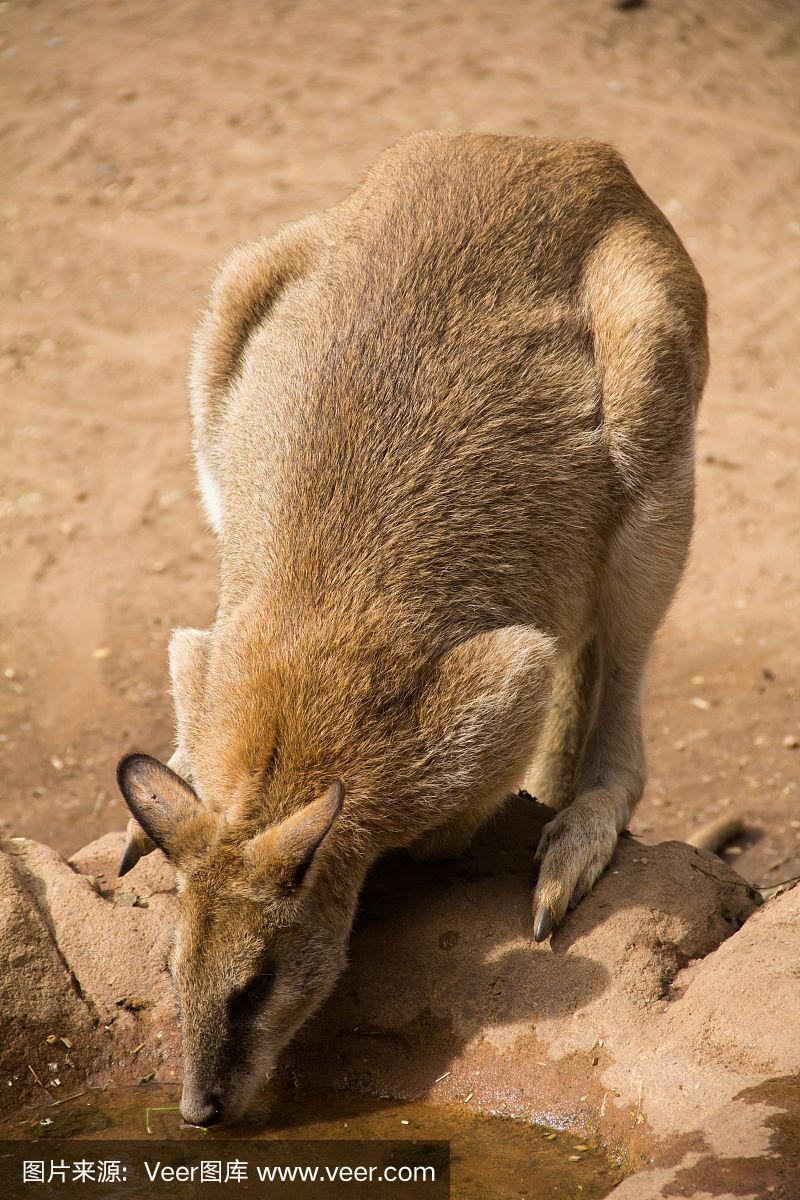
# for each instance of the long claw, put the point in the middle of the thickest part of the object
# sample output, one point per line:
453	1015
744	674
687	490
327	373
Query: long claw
542	925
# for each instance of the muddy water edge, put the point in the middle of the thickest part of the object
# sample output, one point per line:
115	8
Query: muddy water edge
492	1157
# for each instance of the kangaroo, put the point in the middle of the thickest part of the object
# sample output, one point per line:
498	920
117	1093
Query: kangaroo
444	431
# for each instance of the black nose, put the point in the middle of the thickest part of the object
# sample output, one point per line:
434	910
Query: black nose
210	1113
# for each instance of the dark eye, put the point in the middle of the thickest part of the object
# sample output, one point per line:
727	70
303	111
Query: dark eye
246	1000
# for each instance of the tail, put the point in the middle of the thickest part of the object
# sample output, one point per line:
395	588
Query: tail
717	834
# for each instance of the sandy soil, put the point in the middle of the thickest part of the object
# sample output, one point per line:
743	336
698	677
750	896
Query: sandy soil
140	141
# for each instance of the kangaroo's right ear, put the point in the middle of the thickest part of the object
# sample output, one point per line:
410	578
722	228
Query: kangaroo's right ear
246	290
166	807
188	666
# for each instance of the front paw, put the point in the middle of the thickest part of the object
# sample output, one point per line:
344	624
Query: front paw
575	849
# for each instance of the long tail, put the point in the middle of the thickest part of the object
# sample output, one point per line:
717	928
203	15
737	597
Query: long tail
716	834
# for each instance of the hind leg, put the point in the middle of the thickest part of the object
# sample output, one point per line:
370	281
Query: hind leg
643	569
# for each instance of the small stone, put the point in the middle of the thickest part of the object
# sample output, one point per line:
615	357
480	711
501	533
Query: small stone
102	652
132	1003
791	741
57	764
10	673
699	702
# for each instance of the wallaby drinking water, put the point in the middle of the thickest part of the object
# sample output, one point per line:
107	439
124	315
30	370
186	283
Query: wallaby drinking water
444	432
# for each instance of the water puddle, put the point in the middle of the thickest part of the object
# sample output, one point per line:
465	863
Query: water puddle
492	1158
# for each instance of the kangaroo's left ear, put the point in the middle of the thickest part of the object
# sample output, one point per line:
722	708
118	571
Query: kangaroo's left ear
166	807
285	852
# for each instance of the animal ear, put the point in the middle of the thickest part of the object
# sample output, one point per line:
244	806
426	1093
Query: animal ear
488	693
285	852
166	807
245	293
188	662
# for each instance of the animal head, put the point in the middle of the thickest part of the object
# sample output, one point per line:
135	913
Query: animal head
258	944
269	882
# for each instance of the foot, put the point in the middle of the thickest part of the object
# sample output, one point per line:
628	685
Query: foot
575	849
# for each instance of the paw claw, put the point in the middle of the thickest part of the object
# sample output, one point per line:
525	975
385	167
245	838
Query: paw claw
574	850
542	925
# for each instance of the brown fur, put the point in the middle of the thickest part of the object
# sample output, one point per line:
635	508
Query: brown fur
445	433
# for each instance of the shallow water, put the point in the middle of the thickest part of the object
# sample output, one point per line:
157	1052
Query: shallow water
492	1158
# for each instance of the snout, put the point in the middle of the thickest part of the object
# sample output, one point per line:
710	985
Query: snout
201	1109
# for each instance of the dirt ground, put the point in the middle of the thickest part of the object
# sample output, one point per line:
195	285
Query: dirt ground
142	140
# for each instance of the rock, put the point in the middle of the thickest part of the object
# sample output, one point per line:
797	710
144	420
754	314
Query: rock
71	954
560	1032
659	1019
38	998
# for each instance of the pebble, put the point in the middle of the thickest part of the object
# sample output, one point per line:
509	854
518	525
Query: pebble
699	702
791	741
102	652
